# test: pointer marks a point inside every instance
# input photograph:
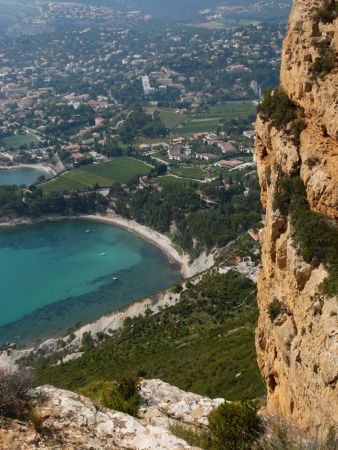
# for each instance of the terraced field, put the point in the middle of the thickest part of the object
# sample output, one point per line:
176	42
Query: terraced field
119	170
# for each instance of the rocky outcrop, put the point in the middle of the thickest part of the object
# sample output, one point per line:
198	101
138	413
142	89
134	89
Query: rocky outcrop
71	421
297	351
163	401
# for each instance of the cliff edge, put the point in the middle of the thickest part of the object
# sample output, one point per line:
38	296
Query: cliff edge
297	157
71	421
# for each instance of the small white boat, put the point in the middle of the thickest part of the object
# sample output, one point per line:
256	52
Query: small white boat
103	254
115	278
87	231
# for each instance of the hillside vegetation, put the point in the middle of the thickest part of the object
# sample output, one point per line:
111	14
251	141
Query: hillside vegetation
203	215
203	344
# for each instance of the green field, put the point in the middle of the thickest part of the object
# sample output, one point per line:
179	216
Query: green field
208	25
223	23
119	170
168	116
190	172
209	120
19	140
169	180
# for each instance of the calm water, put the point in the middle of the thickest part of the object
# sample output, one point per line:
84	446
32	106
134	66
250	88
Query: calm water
55	275
25	175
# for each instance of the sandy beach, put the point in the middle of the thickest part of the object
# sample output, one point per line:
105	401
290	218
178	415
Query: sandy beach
160	240
188	268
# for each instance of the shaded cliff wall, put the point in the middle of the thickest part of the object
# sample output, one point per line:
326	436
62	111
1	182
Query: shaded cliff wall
298	350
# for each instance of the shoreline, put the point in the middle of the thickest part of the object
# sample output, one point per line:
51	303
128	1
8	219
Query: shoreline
39	166
111	321
161	241
115	319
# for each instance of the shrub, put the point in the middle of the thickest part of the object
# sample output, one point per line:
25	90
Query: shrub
327	13
118	403
235	426
129	387
87	340
36	418
177	289
121	396
324	63
14	386
312	162
275	308
100	335
277	107
316	236
71	337
278	437
195	438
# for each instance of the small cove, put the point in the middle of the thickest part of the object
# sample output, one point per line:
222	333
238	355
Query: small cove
55	275
21	175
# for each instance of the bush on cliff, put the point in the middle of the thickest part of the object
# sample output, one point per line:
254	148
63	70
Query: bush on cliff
324	63
277	106
328	12
275	308
235	426
284	114
232	426
316	236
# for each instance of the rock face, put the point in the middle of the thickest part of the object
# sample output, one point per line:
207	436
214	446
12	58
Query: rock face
71	421
298	351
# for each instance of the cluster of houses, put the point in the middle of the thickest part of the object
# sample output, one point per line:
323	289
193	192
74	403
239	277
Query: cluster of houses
182	149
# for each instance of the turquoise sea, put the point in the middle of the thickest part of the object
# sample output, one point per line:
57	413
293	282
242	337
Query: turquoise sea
54	275
25	175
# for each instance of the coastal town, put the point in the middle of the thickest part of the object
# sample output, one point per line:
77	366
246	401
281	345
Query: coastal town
204	95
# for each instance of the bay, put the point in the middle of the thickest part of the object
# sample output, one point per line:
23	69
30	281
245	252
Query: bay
54	275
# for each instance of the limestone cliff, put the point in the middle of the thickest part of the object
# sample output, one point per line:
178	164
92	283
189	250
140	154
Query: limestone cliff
298	349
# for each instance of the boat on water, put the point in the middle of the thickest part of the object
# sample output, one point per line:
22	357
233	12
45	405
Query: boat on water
115	278
87	231
103	254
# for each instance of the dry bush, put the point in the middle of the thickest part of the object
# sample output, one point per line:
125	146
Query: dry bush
14	385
